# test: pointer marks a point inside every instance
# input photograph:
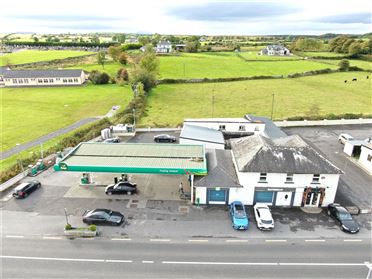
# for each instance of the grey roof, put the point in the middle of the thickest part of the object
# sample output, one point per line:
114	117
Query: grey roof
271	130
221	170
164	43
3	70
367	145
202	134
281	155
42	73
356	142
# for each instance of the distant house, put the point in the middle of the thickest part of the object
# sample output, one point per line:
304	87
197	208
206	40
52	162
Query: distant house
131	40
164	47
273	50
25	78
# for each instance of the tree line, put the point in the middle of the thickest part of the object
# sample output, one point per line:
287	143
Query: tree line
348	45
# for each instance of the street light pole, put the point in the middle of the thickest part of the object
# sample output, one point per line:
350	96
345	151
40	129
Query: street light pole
66	216
272	107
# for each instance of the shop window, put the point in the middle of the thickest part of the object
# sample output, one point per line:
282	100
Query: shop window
263	177
289	178
316	178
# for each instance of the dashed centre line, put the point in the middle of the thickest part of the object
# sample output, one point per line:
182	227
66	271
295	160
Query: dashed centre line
275	240
236	240
198	240
121	239
14	236
352	240
52	237
159	240
148	262
314	240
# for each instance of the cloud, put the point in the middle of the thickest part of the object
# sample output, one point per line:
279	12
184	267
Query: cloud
74	18
364	18
232	11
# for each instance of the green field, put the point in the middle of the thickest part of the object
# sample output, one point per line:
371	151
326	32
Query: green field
30	56
28	113
321	54
111	67
169	104
228	64
353	62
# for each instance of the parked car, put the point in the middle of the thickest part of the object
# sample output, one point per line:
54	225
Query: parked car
263	217
342	218
164	138
26	188
122	187
103	216
112	140
238	215
342	138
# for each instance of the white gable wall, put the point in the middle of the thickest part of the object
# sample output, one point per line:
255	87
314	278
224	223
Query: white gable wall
365	158
256	128
209	145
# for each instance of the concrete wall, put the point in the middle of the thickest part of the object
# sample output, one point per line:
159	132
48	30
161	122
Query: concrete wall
208	145
363	159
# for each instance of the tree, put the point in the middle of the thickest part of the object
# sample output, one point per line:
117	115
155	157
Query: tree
95	39
101	58
122	74
148	79
355	48
344	65
149	61
192	46
114	52
97	77
36	39
123	58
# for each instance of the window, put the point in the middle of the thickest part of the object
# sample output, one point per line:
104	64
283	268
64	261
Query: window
20	80
15	80
32	79
289	178
25	80
45	80
316	178
369	157
222	127
70	80
40	80
64	80
58	79
263	177
75	80
51	80
257	128
242	128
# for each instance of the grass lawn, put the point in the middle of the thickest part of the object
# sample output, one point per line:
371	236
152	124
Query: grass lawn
322	53
111	67
353	62
28	113
169	104
29	56
227	64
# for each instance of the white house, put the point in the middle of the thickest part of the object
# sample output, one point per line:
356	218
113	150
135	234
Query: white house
210	138
164	47
25	78
275	50
230	126
365	157
283	171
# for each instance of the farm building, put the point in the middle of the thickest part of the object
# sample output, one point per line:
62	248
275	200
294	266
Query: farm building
284	171
164	47
275	50
210	138
24	78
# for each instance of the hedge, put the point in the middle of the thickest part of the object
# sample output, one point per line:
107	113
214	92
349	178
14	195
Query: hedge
330	116
60	44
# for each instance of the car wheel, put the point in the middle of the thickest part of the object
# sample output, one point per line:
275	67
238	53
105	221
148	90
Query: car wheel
38	185
109	193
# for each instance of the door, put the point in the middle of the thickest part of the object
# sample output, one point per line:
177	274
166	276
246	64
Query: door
217	196
283	198
312	199
264	197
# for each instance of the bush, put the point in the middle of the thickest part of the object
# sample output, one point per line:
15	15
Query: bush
123	59
68	227
97	77
93	228
122	74
344	65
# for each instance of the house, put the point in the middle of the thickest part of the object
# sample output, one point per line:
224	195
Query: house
284	171
24	78
275	50
365	158
210	138
164	47
230	127
131	40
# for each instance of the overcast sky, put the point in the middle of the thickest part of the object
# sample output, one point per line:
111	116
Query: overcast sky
199	17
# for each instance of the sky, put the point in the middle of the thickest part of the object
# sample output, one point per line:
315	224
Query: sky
197	17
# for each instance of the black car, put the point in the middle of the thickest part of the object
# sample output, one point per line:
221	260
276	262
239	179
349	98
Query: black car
164	138
102	216
122	187
26	188
342	218
112	140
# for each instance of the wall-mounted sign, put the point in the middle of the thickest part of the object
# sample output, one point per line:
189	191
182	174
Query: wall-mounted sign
217	188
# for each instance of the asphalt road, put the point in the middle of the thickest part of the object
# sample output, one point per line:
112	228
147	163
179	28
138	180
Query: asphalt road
97	258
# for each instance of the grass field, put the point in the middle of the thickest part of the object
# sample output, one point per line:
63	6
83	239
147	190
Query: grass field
321	54
111	67
353	62
227	64
252	55
29	56
169	104
28	113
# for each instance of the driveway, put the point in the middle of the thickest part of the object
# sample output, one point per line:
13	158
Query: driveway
355	187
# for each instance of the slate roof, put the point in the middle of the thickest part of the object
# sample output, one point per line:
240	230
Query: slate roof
221	170
42	73
271	130
164	43
203	134
289	154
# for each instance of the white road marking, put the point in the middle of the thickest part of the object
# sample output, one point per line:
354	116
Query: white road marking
352	240
118	261
267	264
198	240
51	259
121	239
275	240
314	240
147	261
236	240
15	236
159	239
52	237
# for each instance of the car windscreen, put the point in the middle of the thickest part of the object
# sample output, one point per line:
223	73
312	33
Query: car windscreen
240	214
344	216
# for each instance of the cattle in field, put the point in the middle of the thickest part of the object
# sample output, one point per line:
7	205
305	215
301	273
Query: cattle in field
345	81
354	79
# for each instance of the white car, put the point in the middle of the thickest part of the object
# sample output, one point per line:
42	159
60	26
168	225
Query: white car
342	138
263	217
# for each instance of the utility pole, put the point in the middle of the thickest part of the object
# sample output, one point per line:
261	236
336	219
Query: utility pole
272	107
212	106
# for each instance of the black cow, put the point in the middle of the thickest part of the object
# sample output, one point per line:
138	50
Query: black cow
354	79
367	77
345	81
